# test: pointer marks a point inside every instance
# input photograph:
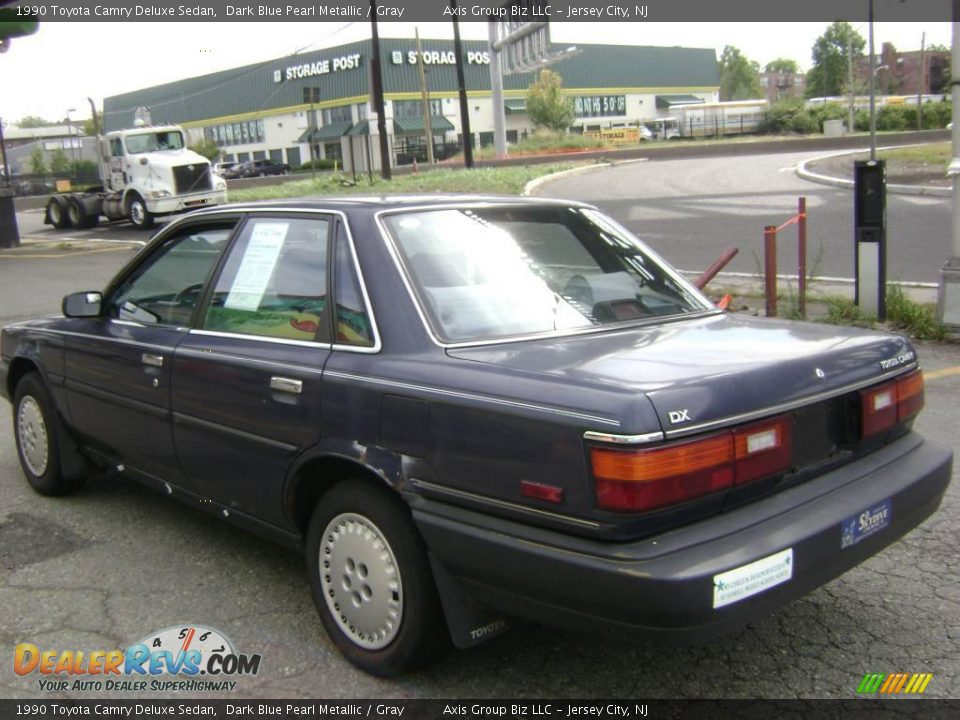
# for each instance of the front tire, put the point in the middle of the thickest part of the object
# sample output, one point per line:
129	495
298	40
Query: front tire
36	433
371	580
140	217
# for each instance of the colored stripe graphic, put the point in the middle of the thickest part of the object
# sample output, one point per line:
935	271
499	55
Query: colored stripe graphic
895	683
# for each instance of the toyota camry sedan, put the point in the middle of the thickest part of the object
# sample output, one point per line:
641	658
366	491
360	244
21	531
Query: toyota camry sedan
467	409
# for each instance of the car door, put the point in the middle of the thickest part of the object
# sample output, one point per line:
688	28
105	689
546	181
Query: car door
118	365
246	381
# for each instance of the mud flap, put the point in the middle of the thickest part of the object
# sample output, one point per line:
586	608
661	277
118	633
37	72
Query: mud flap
469	623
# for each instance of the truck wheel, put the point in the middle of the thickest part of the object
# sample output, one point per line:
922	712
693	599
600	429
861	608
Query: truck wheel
35	430
57	212
141	218
371	580
78	215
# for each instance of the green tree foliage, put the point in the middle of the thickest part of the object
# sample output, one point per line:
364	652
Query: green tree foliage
789	116
59	163
207	148
546	104
782	65
33	121
828	76
739	77
37	162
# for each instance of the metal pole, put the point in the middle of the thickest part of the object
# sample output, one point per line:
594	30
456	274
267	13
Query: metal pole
770	269
462	92
425	99
496	87
873	88
3	153
850	93
377	79
802	252
921	83
955	133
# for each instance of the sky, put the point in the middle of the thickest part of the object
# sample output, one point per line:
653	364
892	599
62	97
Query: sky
59	67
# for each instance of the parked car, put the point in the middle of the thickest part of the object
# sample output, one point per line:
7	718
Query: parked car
223	168
260	168
463	409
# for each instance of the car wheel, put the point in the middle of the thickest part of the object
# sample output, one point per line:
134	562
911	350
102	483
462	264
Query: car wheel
35	430
371	580
57	213
141	218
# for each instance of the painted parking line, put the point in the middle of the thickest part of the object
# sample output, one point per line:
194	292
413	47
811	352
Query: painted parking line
942	373
61	256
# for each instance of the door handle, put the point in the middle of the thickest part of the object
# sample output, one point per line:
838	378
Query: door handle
152	360
288	385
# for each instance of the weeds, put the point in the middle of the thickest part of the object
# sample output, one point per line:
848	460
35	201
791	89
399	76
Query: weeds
918	319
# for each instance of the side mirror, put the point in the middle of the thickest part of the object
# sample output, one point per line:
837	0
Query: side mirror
82	304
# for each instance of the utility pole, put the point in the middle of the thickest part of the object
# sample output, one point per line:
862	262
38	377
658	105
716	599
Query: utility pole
462	92
922	82
3	152
850	92
377	81
425	99
873	89
496	88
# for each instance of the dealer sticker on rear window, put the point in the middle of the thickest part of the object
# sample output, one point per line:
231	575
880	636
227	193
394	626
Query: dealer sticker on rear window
742	582
863	525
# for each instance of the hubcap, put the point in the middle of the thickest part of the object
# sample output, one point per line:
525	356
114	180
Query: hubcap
136	212
32	435
55	212
361	581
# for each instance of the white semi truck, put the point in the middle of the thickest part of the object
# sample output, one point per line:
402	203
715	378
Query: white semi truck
146	172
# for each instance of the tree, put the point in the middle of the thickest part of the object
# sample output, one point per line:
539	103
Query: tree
739	77
33	121
59	163
37	162
828	76
207	148
782	65
546	104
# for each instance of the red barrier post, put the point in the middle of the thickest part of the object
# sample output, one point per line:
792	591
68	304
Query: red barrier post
715	267
770	268
802	243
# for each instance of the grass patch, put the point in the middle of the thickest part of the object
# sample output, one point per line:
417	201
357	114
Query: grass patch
931	154
842	311
918	319
486	181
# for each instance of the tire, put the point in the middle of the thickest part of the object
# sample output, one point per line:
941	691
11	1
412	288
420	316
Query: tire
371	580
140	217
36	431
57	213
78	215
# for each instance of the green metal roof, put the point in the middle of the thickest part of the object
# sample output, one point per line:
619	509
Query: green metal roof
361	128
512	107
414	125
666	101
253	90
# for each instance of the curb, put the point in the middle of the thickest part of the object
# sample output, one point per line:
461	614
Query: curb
599	165
821	179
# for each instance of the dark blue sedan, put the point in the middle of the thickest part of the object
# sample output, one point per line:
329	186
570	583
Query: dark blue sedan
464	409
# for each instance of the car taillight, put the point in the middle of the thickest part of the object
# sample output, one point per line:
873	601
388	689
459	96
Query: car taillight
885	405
640	480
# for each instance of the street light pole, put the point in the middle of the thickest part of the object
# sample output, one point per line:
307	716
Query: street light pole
873	88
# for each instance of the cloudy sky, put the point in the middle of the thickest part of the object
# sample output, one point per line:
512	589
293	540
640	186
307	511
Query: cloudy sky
64	63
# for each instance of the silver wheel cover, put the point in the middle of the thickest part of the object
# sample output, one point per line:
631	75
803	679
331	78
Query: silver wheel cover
361	581
137	212
32	435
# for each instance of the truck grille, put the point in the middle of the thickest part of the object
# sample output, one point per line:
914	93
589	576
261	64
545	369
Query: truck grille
192	178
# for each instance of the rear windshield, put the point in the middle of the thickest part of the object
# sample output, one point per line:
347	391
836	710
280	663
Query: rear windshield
489	273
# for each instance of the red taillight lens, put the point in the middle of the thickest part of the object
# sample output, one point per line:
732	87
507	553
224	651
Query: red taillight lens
884	406
647	479
640	480
763	449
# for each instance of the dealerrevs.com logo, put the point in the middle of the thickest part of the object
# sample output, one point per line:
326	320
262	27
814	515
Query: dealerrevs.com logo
186	658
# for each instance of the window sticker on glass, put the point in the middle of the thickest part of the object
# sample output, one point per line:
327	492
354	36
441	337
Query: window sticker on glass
255	271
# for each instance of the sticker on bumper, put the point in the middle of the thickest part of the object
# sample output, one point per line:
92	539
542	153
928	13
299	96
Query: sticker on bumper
742	582
863	525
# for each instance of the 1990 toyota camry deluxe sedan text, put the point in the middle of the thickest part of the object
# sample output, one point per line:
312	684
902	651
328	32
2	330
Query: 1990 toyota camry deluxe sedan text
463	409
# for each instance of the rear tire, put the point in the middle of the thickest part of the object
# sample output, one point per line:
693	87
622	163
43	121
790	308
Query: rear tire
57	213
37	436
371	580
79	217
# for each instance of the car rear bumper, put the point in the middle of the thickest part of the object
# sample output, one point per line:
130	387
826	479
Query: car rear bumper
662	588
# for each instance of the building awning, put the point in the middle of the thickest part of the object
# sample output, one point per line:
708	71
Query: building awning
361	128
516	105
327	133
414	125
667	101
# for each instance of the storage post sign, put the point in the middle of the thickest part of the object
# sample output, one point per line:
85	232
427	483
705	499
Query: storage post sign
617	136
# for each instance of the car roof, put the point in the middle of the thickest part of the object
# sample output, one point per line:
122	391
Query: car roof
378	203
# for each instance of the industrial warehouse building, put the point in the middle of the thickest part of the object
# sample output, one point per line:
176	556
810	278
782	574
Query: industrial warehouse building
317	104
